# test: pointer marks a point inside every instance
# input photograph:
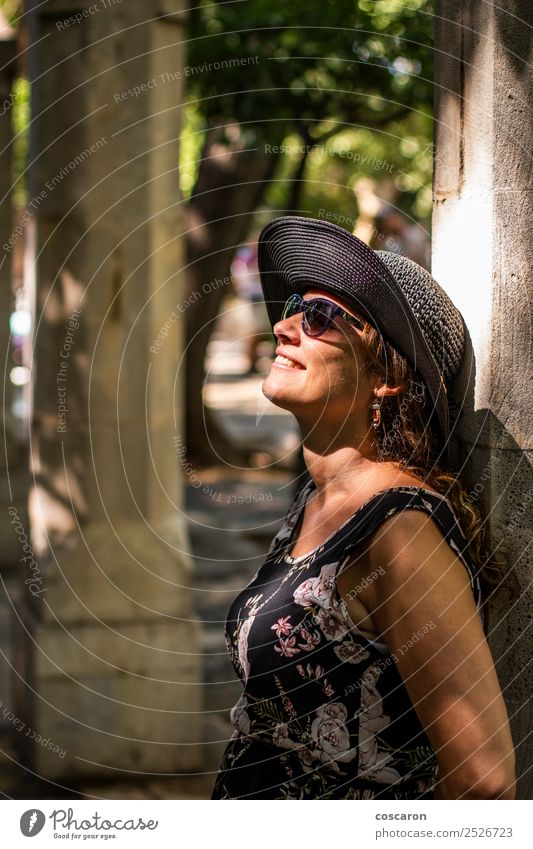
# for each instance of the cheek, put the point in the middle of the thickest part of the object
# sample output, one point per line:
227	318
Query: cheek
345	369
349	381
334	380
337	370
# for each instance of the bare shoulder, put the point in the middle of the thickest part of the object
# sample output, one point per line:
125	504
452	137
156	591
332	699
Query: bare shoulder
403	537
407	529
408	540
413	558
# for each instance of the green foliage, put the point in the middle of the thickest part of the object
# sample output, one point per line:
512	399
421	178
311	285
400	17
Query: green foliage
311	61
17	105
11	11
21	123
353	77
191	140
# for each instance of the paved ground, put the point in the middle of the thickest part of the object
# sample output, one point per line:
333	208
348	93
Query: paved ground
228	543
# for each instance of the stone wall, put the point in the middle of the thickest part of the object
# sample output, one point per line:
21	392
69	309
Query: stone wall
482	255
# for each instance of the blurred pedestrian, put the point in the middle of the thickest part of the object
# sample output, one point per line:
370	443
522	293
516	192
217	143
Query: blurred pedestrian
245	277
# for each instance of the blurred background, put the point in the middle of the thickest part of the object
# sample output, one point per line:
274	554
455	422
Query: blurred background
143	146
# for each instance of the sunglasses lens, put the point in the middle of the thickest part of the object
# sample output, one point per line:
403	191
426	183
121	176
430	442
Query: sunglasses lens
318	317
317	314
292	306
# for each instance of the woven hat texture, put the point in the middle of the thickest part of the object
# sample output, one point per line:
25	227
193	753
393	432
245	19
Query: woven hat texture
440	320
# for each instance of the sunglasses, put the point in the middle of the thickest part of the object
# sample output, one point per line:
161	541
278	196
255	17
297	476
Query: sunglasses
318	314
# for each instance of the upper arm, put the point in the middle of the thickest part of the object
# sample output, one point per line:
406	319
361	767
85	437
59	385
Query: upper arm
423	605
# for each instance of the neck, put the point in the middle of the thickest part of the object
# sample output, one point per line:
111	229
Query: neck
348	461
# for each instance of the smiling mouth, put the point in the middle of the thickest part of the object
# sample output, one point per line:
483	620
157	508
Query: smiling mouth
286	363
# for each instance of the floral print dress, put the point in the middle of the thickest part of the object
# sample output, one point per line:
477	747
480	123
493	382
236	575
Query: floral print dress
324	713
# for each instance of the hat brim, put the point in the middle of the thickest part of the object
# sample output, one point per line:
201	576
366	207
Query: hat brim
295	253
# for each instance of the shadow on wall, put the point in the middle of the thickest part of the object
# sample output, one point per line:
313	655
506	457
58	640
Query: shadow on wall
499	480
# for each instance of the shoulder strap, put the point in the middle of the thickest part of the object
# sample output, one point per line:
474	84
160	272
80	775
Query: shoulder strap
384	504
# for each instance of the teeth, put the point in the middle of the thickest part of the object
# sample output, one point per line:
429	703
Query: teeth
284	361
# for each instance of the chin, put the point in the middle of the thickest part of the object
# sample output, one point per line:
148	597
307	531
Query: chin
277	393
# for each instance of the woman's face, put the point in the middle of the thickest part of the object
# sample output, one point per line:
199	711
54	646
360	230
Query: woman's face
328	380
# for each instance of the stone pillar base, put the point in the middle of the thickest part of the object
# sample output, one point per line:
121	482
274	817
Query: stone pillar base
117	681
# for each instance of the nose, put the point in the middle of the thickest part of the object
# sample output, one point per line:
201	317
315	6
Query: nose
289	328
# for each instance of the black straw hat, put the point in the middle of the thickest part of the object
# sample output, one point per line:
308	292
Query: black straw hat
397	296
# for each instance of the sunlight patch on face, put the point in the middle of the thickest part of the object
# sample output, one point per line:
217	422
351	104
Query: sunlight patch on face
264	400
263	404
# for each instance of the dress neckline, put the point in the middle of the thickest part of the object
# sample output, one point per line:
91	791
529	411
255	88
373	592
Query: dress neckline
305	495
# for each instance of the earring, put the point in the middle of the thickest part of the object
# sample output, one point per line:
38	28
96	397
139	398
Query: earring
376	414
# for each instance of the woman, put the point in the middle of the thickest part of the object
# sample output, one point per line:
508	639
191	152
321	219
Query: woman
360	641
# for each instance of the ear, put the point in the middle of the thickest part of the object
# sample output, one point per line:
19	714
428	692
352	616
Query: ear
385	390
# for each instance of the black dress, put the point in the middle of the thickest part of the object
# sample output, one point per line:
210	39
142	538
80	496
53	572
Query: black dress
324	713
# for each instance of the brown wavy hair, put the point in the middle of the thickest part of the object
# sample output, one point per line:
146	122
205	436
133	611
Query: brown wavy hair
407	435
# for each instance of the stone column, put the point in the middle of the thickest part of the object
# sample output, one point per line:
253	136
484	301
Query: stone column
9	454
482	252
9	550
116	643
